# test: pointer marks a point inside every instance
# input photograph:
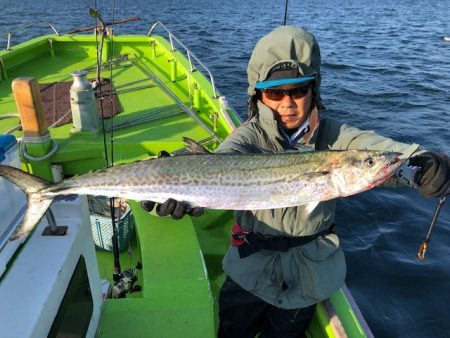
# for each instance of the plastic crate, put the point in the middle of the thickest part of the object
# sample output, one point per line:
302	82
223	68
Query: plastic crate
102	230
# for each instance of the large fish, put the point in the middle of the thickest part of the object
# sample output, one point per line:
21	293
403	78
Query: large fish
218	181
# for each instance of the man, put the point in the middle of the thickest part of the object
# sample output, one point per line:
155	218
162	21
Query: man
273	290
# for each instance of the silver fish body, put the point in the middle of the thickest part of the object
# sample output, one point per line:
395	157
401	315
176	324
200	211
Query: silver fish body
223	181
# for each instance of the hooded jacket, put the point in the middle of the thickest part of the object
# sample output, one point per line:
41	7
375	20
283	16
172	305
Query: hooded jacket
286	45
310	273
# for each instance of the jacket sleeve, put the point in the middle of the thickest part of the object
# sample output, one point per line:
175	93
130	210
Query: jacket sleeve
245	139
233	144
340	136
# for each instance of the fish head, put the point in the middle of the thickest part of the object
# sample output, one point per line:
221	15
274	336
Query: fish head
361	170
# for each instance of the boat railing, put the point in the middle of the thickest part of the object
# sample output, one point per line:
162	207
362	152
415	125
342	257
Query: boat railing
190	55
31	24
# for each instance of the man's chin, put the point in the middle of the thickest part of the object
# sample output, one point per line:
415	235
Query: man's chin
288	124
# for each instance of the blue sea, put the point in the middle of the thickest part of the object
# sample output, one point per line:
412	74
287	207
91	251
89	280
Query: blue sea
385	67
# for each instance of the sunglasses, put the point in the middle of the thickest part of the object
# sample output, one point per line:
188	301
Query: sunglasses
279	94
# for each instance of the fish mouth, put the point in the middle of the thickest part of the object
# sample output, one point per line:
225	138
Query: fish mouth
389	169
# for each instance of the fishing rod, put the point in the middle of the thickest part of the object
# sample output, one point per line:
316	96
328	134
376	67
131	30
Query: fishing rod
123	280
424	246
285	12
95	14
407	173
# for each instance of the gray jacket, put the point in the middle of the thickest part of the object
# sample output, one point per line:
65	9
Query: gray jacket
310	273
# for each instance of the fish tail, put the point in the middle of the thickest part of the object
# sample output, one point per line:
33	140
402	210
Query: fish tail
37	204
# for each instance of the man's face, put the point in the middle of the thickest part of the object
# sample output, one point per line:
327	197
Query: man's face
290	103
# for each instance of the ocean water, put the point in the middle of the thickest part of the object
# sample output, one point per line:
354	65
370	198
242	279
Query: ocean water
385	67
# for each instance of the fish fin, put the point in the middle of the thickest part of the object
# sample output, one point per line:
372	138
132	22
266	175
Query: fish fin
37	204
194	147
304	149
270	151
37	207
299	149
27	182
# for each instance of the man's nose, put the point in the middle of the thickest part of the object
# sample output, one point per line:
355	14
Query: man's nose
287	100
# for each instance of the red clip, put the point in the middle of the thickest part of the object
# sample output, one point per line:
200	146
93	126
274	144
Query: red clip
239	235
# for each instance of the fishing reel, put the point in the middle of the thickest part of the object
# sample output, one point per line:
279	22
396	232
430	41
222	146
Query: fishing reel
125	282
407	173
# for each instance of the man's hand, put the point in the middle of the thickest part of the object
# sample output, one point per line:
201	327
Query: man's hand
173	208
434	178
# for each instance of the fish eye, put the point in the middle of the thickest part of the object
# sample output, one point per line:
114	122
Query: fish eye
369	162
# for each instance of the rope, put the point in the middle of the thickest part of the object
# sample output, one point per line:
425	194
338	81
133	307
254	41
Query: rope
18	127
61	118
8	115
38	139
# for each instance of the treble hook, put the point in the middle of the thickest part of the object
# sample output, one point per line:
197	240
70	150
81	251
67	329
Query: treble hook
423	247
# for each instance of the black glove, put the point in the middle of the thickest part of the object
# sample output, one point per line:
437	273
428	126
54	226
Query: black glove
434	178
171	207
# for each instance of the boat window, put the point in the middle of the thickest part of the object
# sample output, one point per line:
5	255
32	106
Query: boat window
75	311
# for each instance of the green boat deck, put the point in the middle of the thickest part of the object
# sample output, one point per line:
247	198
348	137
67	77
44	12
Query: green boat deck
177	295
159	105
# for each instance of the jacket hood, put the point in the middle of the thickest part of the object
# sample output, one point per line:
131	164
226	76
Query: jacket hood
286	47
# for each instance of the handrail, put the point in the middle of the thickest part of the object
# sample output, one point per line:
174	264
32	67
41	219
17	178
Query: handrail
188	53
9	33
116	22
